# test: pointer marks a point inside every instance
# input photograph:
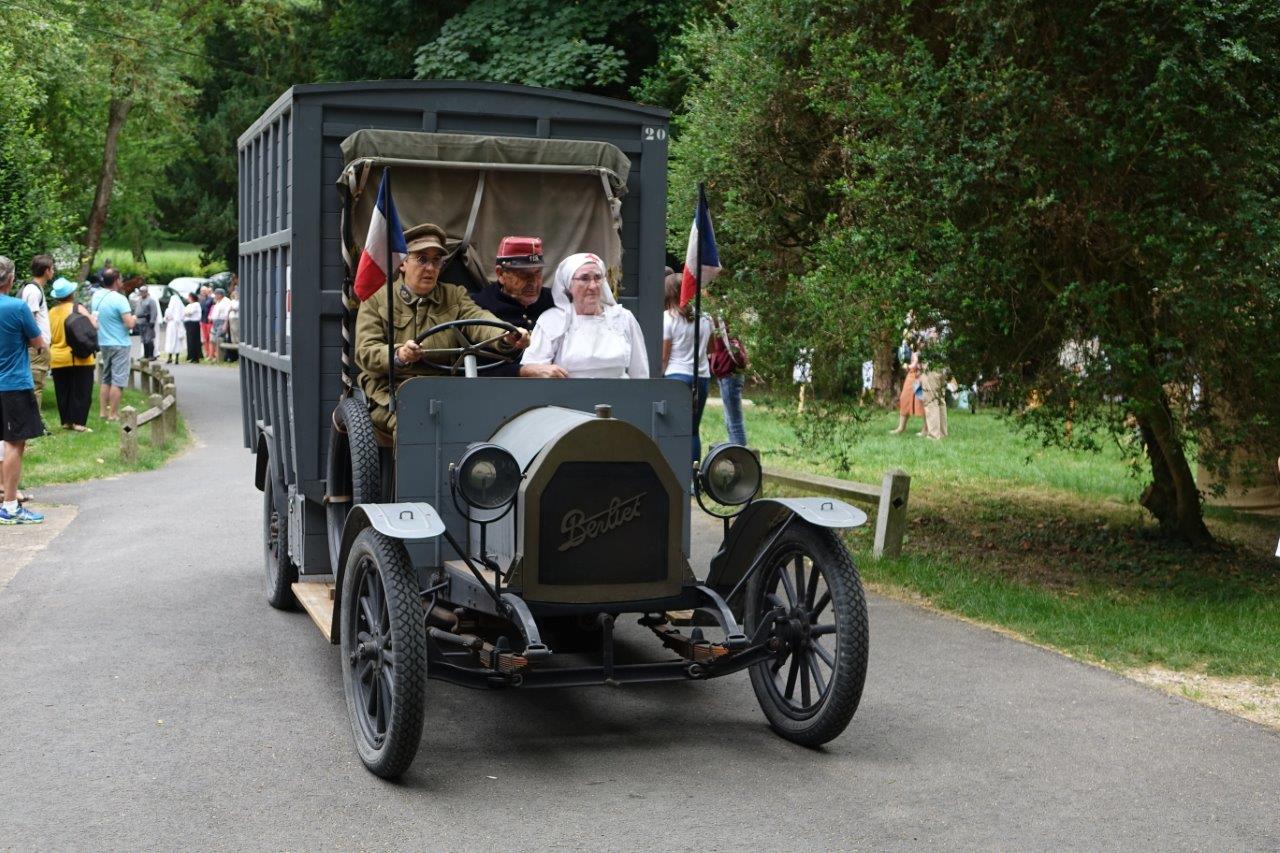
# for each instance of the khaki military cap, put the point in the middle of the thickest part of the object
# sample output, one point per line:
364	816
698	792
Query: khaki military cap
425	236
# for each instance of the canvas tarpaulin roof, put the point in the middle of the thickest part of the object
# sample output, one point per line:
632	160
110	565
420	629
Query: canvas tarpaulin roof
564	191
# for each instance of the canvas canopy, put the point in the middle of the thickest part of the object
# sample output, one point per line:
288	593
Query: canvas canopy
482	188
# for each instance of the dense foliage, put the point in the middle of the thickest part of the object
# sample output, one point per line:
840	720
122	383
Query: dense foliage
601	46
1086	194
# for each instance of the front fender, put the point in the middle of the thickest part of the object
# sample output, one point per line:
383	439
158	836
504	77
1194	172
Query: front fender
412	521
752	528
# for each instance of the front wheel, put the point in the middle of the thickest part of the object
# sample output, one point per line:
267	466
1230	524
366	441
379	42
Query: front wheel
810	689
384	653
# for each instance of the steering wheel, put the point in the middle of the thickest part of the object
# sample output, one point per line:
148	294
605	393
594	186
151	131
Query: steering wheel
458	354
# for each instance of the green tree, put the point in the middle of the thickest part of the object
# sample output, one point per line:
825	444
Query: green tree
1085	193
139	51
255	50
603	46
34	213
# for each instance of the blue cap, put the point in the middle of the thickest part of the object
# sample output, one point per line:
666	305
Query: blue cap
63	288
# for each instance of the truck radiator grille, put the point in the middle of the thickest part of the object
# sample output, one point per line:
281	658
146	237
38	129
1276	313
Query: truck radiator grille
603	523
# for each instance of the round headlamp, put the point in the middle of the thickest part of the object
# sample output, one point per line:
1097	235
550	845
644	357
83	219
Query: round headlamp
487	476
730	474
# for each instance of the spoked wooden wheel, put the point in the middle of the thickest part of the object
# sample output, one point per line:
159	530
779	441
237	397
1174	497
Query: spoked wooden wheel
811	688
384	653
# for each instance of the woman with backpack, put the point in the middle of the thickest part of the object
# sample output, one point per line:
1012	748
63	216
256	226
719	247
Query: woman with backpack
72	373
728	360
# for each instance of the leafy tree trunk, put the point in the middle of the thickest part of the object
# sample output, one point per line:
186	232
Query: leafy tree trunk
1172	496
883	377
117	112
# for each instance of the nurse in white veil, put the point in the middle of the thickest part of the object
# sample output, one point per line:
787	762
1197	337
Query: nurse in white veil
174	334
588	333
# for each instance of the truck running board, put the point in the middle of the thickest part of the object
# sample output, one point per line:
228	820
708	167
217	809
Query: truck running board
317	599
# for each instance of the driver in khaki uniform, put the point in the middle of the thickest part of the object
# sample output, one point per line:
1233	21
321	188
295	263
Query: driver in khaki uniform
422	302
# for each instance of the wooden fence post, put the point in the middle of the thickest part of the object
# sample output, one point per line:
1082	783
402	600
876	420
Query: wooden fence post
159	424
891	517
171	413
129	434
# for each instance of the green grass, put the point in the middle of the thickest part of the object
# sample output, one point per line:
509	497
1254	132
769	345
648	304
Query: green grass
65	456
1225	630
981	449
1051	544
164	262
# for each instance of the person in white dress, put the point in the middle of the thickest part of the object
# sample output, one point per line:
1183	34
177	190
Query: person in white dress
588	334
173	331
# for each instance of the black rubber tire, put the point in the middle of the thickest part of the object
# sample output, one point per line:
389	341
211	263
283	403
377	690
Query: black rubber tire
354	469
831	713
280	570
405	646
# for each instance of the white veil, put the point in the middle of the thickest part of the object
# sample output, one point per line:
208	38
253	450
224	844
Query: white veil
564	273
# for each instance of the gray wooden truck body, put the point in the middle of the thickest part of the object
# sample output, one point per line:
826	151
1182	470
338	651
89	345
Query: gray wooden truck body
292	271
594	518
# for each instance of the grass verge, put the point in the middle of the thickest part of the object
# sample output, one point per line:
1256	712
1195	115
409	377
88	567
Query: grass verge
65	456
1051	545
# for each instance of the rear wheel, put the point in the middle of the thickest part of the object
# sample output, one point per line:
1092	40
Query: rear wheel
281	573
384	653
811	688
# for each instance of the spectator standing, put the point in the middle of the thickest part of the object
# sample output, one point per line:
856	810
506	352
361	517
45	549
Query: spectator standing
173	329
191	322
678	356
43	270
911	398
233	320
115	320
147	315
730	370
206	322
933	388
218	316
72	376
19	409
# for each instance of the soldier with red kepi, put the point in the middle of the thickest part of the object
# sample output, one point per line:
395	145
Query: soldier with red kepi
519	298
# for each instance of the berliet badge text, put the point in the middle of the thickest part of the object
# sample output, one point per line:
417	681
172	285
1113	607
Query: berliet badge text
578	527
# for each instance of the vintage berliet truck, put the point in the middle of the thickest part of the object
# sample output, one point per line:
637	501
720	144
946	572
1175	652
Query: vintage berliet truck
497	539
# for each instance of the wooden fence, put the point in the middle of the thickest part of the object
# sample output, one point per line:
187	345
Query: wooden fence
162	415
889	498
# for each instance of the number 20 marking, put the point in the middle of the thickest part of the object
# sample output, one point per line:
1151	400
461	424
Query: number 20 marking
655	134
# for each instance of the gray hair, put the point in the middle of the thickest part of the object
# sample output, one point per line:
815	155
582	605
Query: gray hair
6	271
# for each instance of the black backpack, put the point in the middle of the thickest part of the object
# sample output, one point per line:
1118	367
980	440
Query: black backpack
82	337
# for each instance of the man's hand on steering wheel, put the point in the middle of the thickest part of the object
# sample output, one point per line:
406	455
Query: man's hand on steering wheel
409	352
519	339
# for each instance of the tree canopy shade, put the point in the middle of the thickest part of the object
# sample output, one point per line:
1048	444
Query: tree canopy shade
601	46
1085	192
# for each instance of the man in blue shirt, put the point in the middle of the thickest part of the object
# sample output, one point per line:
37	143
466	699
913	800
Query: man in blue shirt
19	409
115	319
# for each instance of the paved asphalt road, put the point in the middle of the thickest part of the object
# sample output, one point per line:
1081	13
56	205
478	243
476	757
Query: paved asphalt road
149	698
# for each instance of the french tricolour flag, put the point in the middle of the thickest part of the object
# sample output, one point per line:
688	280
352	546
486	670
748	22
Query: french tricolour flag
699	234
384	224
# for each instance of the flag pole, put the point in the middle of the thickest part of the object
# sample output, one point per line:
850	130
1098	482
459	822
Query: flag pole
391	301
697	312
